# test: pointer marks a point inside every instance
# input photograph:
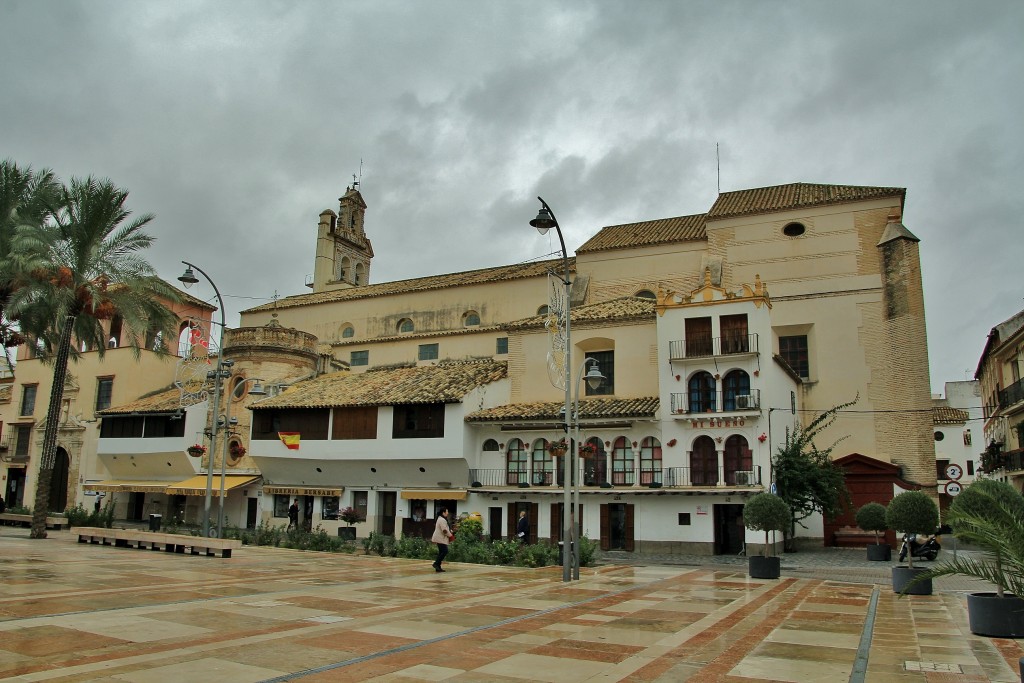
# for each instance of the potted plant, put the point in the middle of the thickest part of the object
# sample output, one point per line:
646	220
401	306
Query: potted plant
587	450
237	450
871	517
989	515
912	512
196	450
558	448
765	512
350	517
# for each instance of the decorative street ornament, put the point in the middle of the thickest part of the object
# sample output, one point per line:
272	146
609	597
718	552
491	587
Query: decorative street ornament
191	375
196	450
555	324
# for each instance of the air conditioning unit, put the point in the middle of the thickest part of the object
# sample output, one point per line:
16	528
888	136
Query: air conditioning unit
744	401
744	478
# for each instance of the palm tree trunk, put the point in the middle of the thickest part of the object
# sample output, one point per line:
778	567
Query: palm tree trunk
49	456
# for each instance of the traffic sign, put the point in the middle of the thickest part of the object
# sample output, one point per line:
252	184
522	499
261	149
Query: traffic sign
772	488
954	472
953	488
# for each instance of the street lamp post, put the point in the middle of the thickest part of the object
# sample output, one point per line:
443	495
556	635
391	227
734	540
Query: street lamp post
594	380
257	390
188	279
544	221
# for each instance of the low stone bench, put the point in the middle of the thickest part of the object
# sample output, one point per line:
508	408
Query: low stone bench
14	519
153	540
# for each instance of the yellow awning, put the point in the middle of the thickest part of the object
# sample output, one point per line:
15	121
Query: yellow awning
434	494
196	486
116	485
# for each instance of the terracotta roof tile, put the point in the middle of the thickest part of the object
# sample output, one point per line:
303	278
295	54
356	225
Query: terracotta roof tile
613	310
446	382
591	408
644	233
794	196
944	415
163	401
469	277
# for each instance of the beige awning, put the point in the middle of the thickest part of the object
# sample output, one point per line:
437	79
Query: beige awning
122	485
329	491
196	486
434	494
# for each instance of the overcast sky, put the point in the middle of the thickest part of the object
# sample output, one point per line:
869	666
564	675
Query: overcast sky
236	123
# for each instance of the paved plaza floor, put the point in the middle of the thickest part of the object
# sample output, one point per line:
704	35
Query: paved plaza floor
74	612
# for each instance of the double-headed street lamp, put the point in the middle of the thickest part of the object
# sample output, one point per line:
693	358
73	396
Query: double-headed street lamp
594	380
229	422
544	221
218	375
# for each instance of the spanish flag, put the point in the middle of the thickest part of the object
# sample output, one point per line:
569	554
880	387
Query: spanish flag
290	439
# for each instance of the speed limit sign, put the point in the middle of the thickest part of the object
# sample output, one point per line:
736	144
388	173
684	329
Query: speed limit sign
954	471
953	488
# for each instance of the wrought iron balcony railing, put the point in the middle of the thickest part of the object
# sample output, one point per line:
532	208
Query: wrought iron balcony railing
705	347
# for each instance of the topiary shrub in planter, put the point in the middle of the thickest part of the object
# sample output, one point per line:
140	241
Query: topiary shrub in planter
989	514
871	517
912	512
765	512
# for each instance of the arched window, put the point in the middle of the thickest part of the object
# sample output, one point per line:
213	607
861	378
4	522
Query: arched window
701	393
738	461
184	340
116	324
344	268
543	464
650	461
622	462
471	319
490	445
595	465
405	325
703	462
516	463
736	383
646	294
543	310
347	332
360	274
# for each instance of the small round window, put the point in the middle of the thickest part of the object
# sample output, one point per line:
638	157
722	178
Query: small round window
348	332
939	436
472	319
405	325
794	229
645	294
543	310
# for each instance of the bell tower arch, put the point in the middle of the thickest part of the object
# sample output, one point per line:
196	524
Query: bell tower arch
343	251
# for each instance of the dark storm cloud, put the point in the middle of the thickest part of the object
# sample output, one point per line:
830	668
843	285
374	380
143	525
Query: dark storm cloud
237	123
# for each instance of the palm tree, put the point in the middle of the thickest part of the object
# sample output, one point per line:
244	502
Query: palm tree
25	198
83	266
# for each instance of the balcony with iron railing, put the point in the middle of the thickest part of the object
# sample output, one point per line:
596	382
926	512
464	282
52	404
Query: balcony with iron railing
696	403
598	477
708	347
9	451
1011	395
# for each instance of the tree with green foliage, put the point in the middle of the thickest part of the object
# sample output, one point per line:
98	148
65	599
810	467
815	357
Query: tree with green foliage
871	517
912	512
805	476
25	200
83	265
766	512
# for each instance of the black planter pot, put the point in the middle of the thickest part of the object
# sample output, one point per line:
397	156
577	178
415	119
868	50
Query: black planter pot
761	567
902	576
347	533
880	552
996	617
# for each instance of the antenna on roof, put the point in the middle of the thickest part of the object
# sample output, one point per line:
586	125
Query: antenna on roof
718	163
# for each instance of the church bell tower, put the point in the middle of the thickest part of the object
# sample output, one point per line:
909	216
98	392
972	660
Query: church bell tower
343	252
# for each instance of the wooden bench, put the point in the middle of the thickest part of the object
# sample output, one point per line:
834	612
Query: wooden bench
153	540
14	519
852	537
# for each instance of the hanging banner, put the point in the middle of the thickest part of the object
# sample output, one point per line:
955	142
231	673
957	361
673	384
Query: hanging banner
290	439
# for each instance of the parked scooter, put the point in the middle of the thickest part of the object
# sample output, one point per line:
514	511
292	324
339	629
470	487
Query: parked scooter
927	549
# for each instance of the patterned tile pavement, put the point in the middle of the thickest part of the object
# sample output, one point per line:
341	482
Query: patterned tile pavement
72	612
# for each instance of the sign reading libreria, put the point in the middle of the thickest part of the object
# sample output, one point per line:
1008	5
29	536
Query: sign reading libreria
299	491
